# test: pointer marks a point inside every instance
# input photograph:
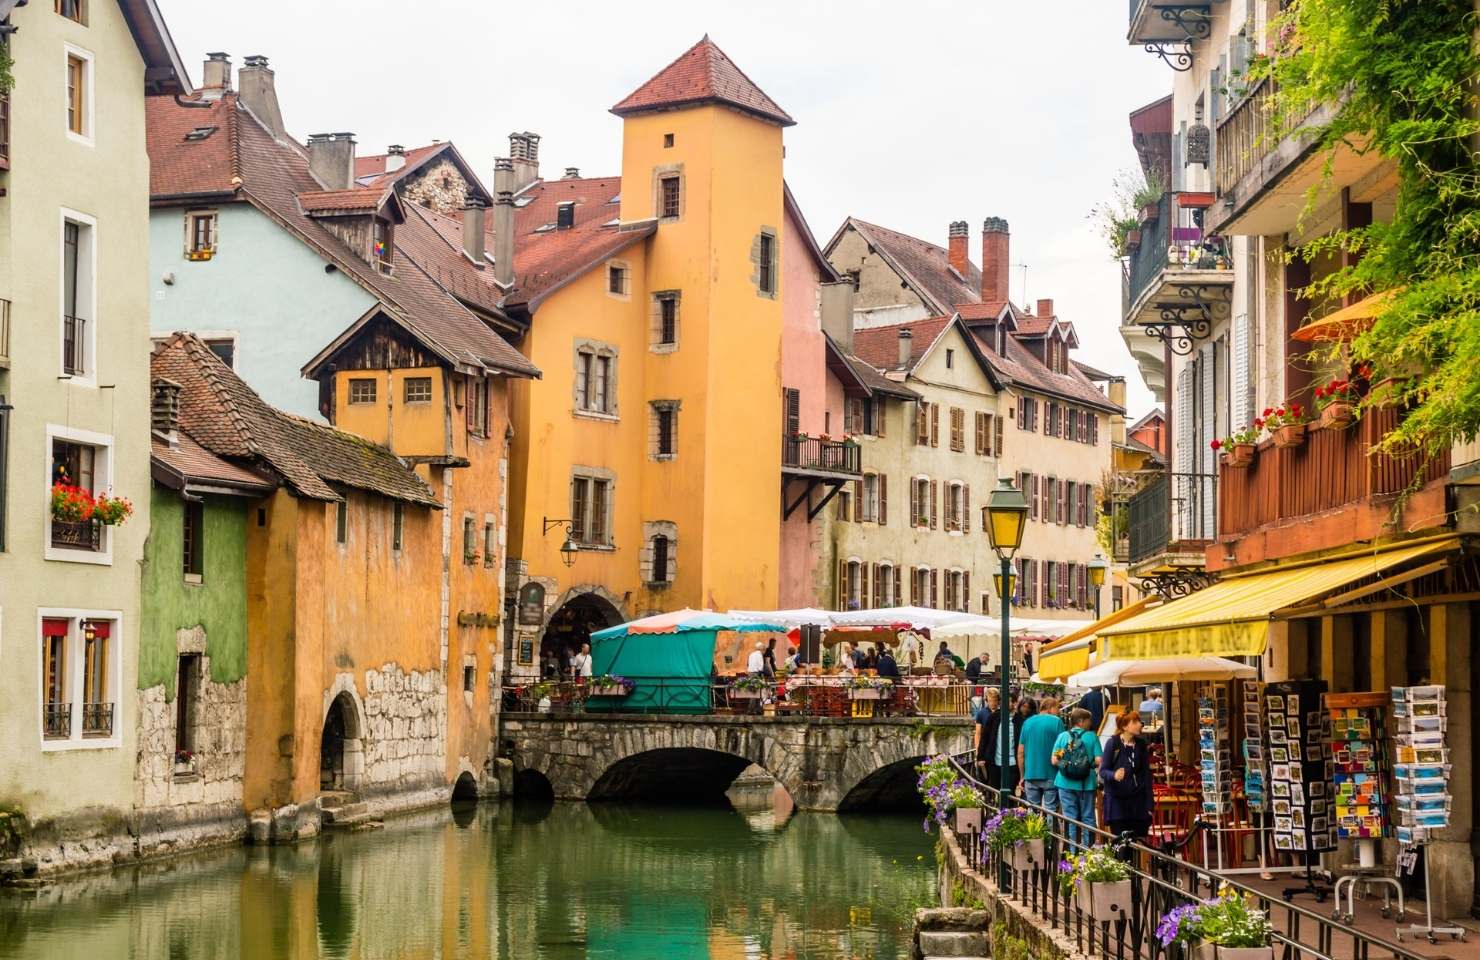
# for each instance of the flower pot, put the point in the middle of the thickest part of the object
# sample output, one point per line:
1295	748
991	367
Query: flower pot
1202	950
1027	855
1243	953
1290	435
968	819
1150	212
610	690
865	693
1387	392
1104	902
1337	416
1132	239
1240	455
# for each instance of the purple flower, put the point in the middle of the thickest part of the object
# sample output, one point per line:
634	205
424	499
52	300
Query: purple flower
1166	930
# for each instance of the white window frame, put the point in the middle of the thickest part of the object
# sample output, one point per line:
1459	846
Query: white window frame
102	480
886	583
857	570
89	109
190	217
89	377
76	654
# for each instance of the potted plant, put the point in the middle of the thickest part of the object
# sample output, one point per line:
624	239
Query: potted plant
1285	423
1147	198
184	762
1337	402
1233	928
1101	882
865	687
112	511
967	802
608	685
1133	239
751	687
1018	834
937	777
1183	925
1238	447
71	504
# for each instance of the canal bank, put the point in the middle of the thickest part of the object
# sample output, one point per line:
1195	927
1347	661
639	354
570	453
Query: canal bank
554	881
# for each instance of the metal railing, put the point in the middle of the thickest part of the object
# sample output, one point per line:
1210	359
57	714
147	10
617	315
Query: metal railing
56	720
1173	508
1161	878
74	346
1174	240
77	534
97	719
801	696
814	453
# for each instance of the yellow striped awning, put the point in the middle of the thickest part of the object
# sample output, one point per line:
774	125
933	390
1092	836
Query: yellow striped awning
1231	618
1069	654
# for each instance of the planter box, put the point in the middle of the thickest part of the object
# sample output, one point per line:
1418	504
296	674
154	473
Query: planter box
1104	902
968	819
1151	213
866	693
1027	855
746	694
1209	951
1240	454
610	690
1337	416
1290	435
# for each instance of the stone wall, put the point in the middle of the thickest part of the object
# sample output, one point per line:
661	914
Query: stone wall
438	185
404	744
1008	917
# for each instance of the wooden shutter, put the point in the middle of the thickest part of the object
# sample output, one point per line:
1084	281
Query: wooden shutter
1063	501
793	412
883	499
979	439
958	429
840	586
935	424
934	494
1094	428
934	588
1030	488
914	502
1071	503
1046	499
965	508
894	596
880	409
1048	419
865	571
922	423
997	446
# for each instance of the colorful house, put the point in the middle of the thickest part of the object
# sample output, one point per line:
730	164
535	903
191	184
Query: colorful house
73	408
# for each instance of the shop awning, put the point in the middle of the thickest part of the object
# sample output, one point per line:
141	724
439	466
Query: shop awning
1344	325
1231	618
1069	654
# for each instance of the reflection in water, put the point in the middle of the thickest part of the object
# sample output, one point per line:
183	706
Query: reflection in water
557	882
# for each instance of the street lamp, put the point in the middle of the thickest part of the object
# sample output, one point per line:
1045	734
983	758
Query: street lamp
569	548
1004	516
1097	568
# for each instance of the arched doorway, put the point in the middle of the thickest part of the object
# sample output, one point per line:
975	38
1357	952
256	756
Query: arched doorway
339	746
572	625
465	790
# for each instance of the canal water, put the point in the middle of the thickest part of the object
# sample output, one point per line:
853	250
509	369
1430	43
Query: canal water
552	881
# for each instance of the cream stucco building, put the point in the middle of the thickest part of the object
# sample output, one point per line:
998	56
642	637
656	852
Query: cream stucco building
74	404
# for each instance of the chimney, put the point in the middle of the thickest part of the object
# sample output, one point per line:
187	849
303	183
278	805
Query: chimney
164	411
957	247
906	347
524	152
994	259
503	222
572	173
1116	393
1045	308
331	158
837	313
474	239
395	157
216	78
259	93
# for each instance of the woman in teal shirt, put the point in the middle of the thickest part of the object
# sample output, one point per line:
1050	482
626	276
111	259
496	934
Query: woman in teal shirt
1077	793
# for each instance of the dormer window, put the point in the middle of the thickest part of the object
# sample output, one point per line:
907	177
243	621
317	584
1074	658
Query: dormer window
565	215
73	10
382	245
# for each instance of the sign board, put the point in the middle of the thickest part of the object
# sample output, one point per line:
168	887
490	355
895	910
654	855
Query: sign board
532	604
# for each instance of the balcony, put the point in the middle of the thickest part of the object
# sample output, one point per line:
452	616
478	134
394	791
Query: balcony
1263	179
1172	521
1329	491
56	721
4	334
77	535
97	719
1178	279
814	456
74	342
1168	28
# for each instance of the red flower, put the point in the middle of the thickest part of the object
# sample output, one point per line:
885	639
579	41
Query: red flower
1216	444
1267	411
1321	391
1280	412
1258	424
1296	409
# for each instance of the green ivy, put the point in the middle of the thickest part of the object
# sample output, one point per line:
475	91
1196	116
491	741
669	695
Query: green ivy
7	68
1402	76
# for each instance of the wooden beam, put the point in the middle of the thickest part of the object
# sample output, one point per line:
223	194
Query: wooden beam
1302	613
1384	584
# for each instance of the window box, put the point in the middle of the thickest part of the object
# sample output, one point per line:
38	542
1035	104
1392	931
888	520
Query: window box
77	535
198	255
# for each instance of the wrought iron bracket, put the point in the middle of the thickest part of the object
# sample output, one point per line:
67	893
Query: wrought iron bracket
1193	19
1181	324
1177	54
1177	583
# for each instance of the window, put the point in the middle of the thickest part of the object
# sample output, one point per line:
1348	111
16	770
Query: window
398	525
84	466
766	264
565	215
56	706
1117	598
192	539
958	429
590	503
957	591
490	543
666	332
97	708
477	406
985	436
382	245
667	140
595	390
669	196
79	83
791	412
77	296
361	390
78	666
187	689
664	428
470	678
418	390
225	350
341	522
868	501
660	548
885	586
200	234
616	280
950	359
470	541
73	10
4	471
855	589
845	505
958	508
922	503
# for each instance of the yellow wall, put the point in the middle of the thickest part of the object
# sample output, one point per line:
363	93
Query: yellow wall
410	429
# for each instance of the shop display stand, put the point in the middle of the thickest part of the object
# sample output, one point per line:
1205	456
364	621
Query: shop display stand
1300	774
1360	753
1422	775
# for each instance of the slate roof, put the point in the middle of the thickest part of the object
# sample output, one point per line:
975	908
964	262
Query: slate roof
228	419
243	161
703	74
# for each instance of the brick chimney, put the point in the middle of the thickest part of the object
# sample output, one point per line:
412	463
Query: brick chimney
994	259
164	411
906	346
259	94
395	157
503	222
957	247
524	152
474	239
216	77
1045	308
331	158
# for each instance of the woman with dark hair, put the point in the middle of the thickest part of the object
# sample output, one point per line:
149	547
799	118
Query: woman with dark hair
1125	769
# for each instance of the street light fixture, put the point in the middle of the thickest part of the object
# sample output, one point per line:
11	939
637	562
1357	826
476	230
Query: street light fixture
569	548
1097	570
1005	516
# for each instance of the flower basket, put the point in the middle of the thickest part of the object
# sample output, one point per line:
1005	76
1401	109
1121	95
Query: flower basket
1105	901
609	690
1027	855
1289	435
867	693
1133	239
968	819
1241	454
746	694
1336	416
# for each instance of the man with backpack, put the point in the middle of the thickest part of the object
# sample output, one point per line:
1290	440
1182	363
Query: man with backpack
1076	754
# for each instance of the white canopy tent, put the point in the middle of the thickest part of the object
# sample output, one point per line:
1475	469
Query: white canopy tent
1132	673
800	617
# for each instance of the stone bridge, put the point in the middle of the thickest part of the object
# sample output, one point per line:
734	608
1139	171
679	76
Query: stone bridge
825	764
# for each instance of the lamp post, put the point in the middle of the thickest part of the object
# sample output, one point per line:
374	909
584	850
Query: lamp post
569	548
1004	517
1097	568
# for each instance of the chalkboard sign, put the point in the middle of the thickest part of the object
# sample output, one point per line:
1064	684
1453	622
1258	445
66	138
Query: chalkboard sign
532	604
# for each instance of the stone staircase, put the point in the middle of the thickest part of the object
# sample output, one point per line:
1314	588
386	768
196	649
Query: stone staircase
345	811
951	934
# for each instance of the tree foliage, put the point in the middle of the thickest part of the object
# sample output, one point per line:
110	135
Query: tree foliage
1401	75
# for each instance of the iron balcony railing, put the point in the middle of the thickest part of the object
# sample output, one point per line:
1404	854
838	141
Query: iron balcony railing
74	346
1162	877
826	456
1173	508
56	720
97	719
1173	241
77	534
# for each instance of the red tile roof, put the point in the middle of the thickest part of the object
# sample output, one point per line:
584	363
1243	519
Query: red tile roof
228	418
926	267
370	170
703	74
187	462
354	200
879	346
981	309
181	167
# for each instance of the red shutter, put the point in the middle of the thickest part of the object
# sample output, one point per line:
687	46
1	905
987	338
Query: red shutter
883	499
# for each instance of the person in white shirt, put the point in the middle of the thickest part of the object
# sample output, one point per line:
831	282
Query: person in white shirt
757	663
583	662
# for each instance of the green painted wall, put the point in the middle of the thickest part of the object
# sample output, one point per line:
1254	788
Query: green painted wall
218	602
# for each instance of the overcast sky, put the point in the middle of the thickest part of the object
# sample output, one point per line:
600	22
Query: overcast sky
910	113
